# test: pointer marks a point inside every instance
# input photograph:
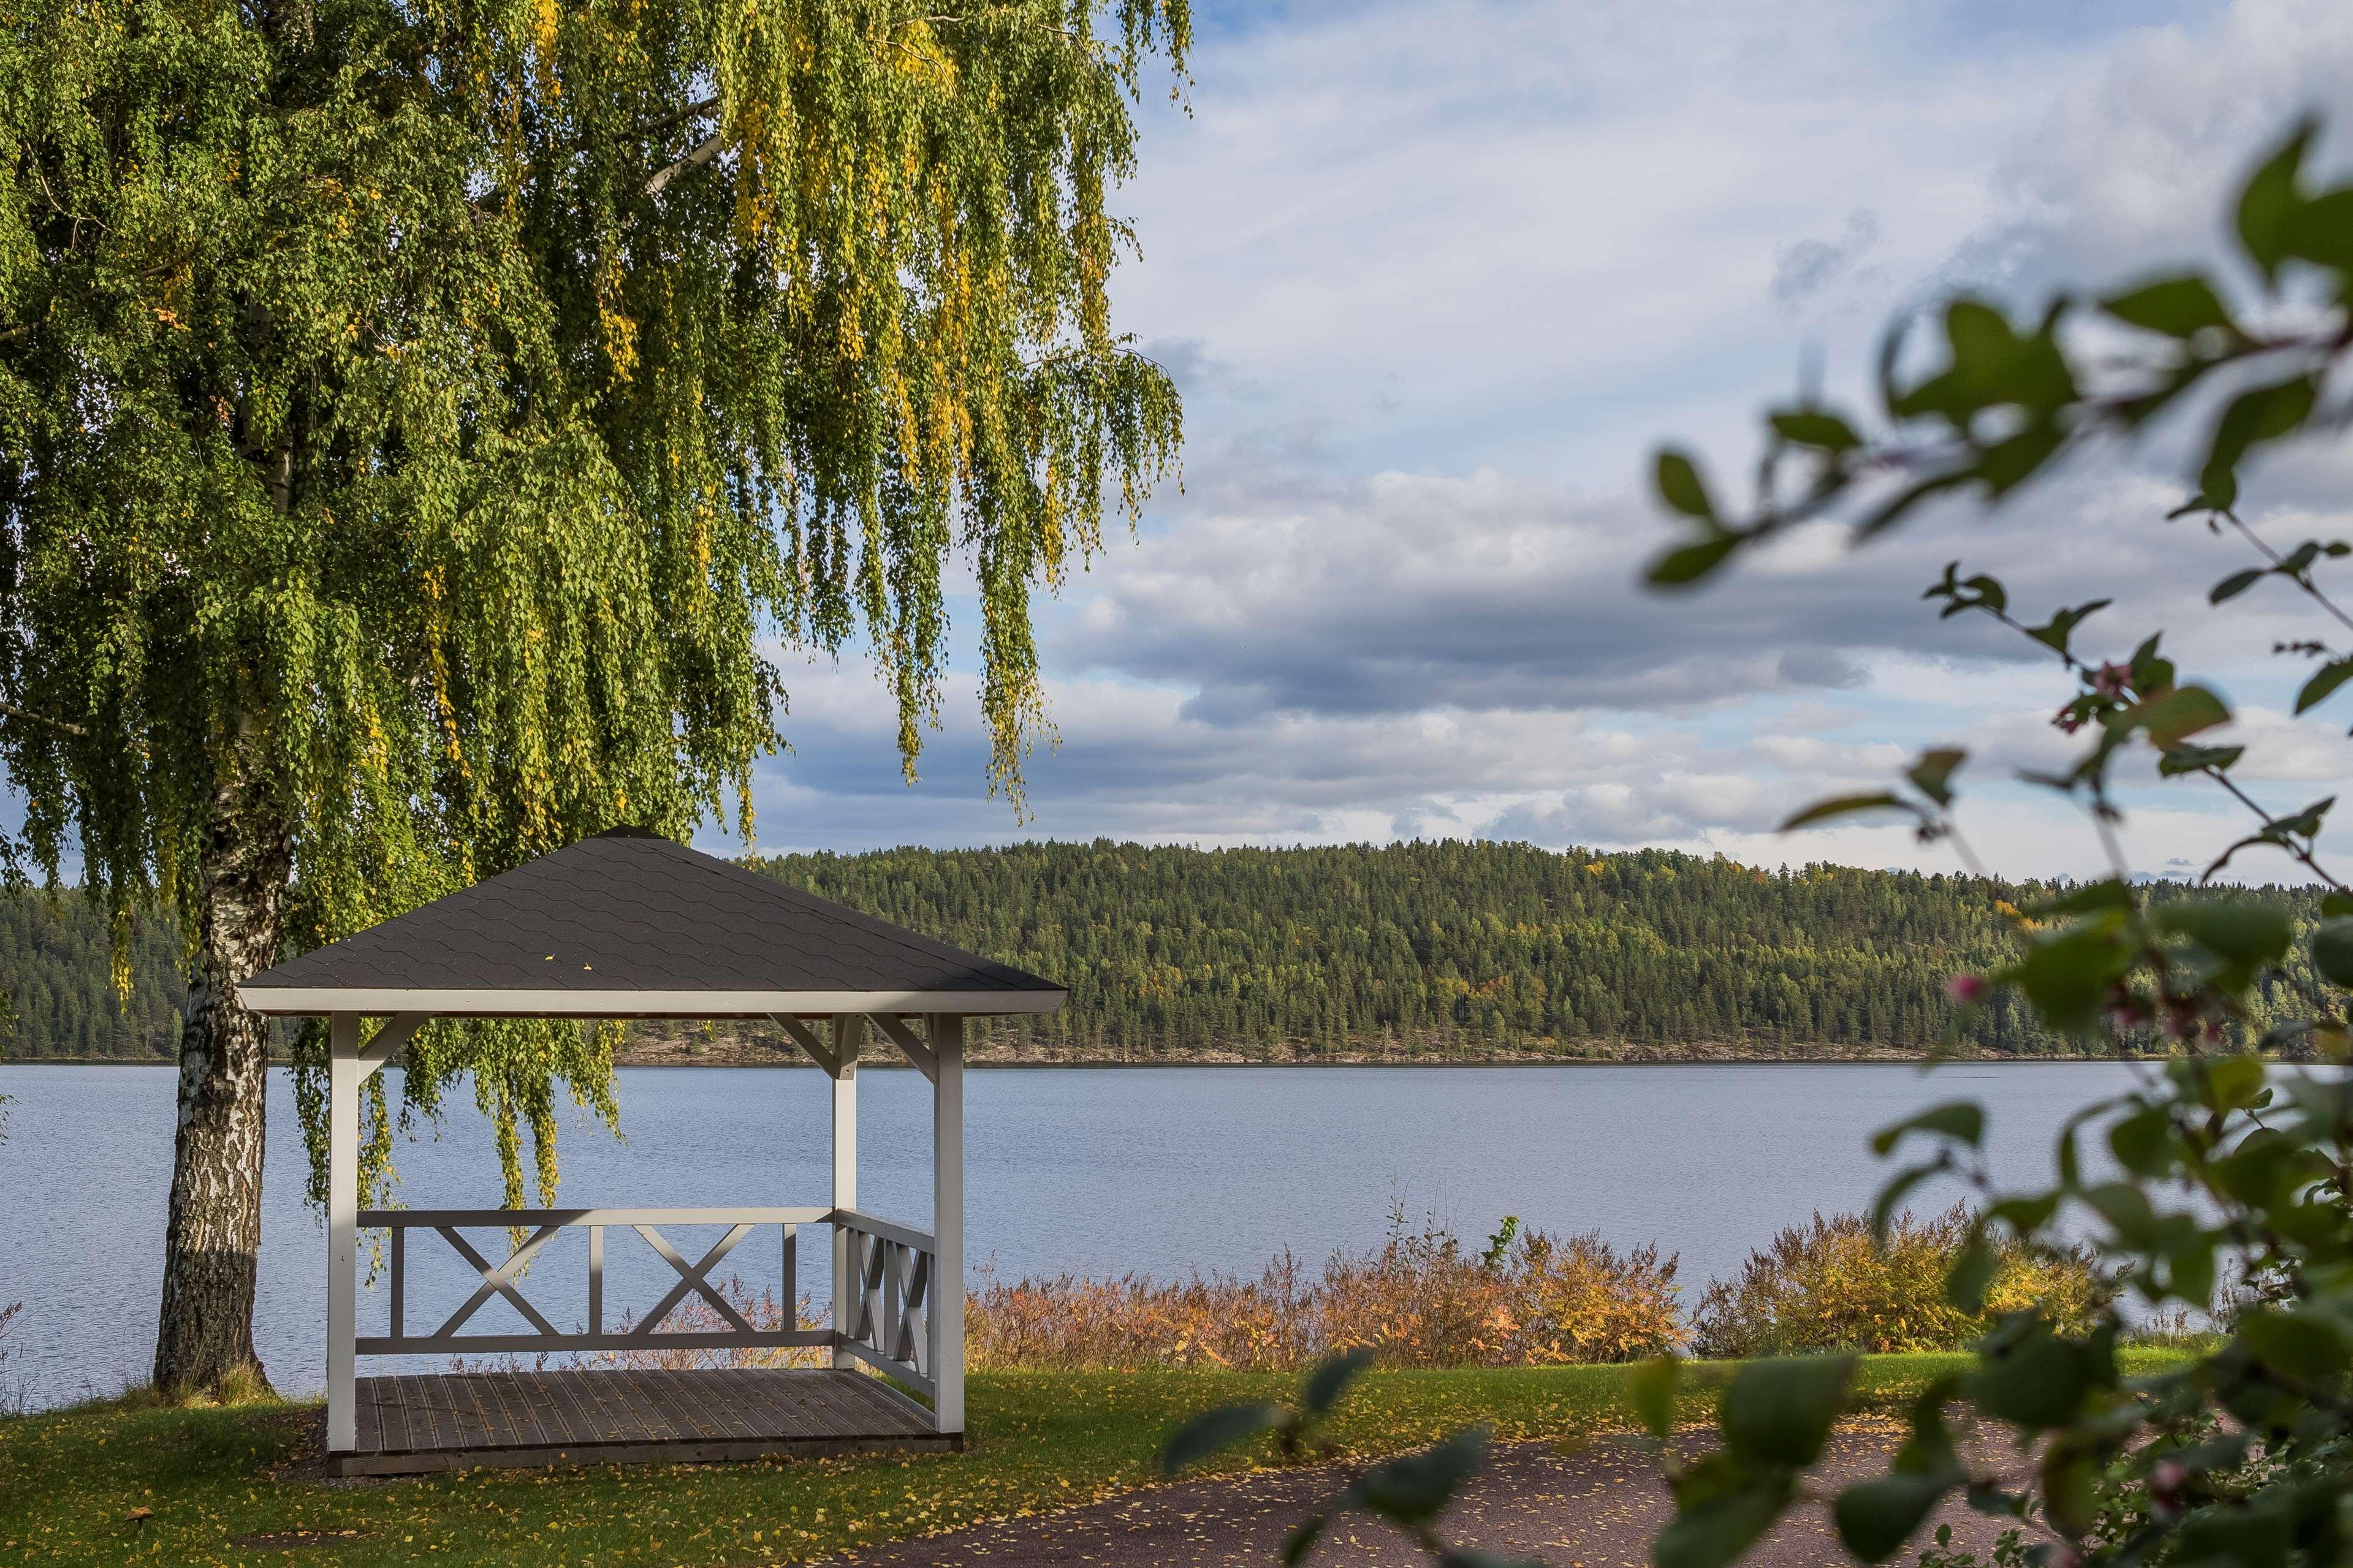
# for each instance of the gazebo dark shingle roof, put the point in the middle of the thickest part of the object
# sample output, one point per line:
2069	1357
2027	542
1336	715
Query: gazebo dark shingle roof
630	922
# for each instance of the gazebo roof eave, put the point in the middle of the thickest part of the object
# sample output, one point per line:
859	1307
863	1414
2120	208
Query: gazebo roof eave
381	1001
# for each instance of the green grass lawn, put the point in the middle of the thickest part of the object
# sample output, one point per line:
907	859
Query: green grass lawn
69	1481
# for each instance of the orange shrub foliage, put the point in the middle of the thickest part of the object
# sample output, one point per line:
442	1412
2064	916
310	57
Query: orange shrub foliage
1420	1300
1828	1286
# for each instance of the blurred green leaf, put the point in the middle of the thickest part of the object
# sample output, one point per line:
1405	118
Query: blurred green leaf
2109	894
2181	760
1876	1518
2127	1208
2249	930
1812	427
2263	414
1216	1431
2054	633
2332	949
2067	975
2142	1143
1687	563
1414	1488
1780	1412
1720	1529
2299	1344
1330	1379
2179	307
1844	805
1893	510
2070	1488
1931	775
2321	230
2033	1380
2236	583
2270	195
2170	715
1963	1121
1651	1389
1679	486
1971	1275
2323	683
1891	1197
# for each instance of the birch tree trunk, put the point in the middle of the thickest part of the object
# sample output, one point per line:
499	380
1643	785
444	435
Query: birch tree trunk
212	1244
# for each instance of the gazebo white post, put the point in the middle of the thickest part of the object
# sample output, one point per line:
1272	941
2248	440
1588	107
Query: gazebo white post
342	1228
848	1029
946	1321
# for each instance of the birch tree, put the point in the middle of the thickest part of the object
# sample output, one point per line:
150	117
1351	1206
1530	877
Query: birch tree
424	423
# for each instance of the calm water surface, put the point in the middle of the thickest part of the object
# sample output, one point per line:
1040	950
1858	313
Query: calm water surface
1097	1171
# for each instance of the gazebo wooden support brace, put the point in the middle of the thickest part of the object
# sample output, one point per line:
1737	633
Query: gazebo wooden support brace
919	1055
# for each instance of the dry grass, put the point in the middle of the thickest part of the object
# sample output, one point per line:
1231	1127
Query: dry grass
1829	1286
1420	1300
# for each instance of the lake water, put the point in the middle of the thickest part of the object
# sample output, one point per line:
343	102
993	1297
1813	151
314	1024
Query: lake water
1095	1171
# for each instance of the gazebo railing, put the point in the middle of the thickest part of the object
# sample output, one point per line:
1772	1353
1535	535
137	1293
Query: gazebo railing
893	1265
889	1323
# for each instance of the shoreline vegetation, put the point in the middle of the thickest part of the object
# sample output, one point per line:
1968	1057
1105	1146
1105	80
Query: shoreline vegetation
1421	953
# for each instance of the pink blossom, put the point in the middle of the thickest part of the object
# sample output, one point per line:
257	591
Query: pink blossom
1965	988
2111	681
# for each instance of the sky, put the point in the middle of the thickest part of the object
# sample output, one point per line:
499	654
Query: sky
1436	279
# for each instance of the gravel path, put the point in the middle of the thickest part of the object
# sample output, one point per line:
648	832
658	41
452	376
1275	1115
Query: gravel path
1595	1507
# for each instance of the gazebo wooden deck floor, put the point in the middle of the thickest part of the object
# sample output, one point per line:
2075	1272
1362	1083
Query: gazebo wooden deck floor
411	1424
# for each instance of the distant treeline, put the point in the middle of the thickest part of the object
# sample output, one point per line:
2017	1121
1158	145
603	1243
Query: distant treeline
1410	949
1458	948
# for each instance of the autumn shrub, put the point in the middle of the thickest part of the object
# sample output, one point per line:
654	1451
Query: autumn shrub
1830	1286
1420	1298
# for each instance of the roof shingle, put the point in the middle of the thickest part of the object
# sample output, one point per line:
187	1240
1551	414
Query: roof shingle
632	911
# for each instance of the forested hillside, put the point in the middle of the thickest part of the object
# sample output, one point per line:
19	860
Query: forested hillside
1410	950
60	998
1448	948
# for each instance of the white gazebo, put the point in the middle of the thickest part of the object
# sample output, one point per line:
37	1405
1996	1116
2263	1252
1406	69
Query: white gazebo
629	924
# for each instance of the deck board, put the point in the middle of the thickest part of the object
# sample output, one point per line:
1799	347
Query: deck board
409	1425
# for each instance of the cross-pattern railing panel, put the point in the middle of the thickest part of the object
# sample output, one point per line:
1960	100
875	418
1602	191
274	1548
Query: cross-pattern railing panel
502	1280
890	1327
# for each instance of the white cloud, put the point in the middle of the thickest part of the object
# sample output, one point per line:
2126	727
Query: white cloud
1435	277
